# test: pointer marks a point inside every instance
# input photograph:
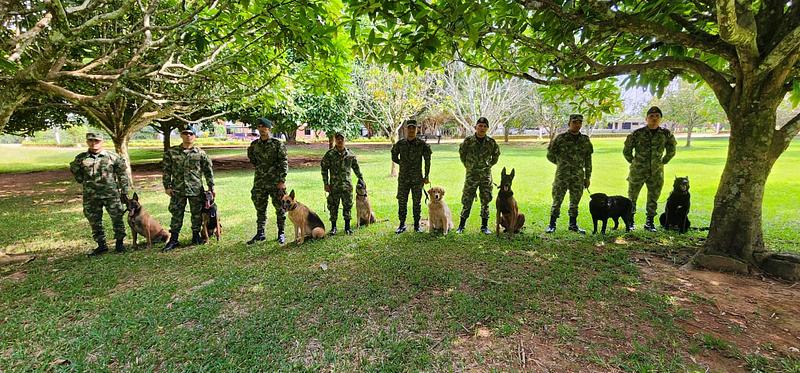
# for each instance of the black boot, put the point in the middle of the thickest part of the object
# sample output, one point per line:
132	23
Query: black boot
401	228
573	225
101	248
649	226
485	226
347	229
119	245
281	235
172	243
197	238
461	225
552	227
417	228
333	230
258	237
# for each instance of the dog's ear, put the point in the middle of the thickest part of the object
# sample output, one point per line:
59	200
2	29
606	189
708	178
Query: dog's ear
442	190
503	173
291	194
135	196
512	173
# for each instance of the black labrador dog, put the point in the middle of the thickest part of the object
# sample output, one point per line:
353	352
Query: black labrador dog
676	214
603	207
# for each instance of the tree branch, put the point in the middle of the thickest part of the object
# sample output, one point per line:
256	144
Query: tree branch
25	39
785	47
783	136
737	26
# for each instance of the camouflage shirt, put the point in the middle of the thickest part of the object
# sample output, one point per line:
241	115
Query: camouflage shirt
102	175
649	150
572	154
184	170
409	154
479	155
270	160
336	168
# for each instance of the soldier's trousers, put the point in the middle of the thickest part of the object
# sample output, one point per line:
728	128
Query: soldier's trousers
403	188
93	210
473	183
560	187
654	184
344	195
177	206
261	198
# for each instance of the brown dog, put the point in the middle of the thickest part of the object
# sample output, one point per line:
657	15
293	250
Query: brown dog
210	216
306	222
508	215
142	223
364	213
438	212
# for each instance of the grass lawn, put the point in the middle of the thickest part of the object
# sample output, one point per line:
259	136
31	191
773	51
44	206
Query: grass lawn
381	302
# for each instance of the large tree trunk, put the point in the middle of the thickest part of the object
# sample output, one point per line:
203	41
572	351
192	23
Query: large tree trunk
689	136
505	134
121	147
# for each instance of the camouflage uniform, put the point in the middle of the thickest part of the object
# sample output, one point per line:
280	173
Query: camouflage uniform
409	154
572	154
338	165
643	150
272	165
104	179
183	173
478	156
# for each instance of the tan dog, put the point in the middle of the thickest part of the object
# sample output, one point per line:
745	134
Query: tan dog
438	212
306	222
142	223
508	215
364	213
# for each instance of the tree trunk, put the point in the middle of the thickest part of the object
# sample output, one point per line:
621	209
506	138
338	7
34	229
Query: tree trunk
166	130
393	140
689	136
505	134
121	147
8	104
330	142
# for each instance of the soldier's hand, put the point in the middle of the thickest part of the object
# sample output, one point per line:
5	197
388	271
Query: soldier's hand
168	191
213	193
327	188
586	183
426	181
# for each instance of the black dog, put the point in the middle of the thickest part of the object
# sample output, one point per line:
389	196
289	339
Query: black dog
603	207
210	217
676	214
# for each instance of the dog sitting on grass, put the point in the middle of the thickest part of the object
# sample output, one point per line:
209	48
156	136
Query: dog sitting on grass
364	213
508	215
142	223
306	222
603	207
210	217
438	213
676	213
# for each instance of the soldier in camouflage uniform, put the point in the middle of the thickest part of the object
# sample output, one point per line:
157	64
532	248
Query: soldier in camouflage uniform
104	179
336	166
571	151
648	149
184	167
268	155
479	153
409	154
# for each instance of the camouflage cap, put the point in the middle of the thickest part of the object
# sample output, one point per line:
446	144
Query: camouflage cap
264	122
575	117
94	136
411	123
189	130
339	134
655	109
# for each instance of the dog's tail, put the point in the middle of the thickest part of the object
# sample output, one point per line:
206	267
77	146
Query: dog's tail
318	232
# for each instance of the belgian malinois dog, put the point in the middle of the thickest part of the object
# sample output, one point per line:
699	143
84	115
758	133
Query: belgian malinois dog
306	222
508	215
210	216
364	213
142	223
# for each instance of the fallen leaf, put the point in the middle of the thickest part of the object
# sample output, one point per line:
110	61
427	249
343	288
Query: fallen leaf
483	332
58	362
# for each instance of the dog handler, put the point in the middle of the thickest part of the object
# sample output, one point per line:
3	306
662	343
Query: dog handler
571	151
648	149
478	153
409	154
185	165
268	155
104	179
336	166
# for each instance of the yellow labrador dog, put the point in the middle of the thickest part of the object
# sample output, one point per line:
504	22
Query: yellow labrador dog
438	212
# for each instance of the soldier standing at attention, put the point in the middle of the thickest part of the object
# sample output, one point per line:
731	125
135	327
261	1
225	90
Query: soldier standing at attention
336	166
185	165
478	154
104	180
268	155
409	154
648	149
571	152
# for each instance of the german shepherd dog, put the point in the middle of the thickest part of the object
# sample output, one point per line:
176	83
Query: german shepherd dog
364	214
306	222
438	213
508	215
602	207
142	223
210	216
676	214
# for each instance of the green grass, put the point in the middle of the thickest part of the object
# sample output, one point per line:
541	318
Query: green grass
385	303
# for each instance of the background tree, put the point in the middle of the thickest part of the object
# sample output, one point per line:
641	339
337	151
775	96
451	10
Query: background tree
690	106
747	52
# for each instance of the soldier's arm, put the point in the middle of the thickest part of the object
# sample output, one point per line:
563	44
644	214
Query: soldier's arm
462	153
627	151
166	170
426	155
75	169
324	166
283	162
396	153
551	152
495	154
251	153
121	173
208	171
587	161
670	148
357	169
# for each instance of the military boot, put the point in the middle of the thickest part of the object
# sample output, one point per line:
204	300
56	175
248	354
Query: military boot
172	243
552	227
573	225
417	228
461	225
347	229
649	226
197	238
281	235
258	237
101	248
119	245
485	226
333	230
401	228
